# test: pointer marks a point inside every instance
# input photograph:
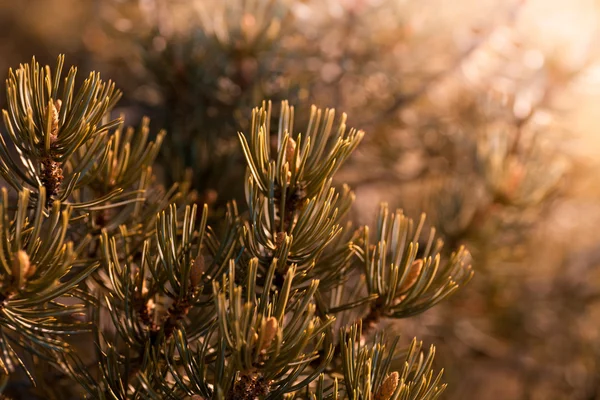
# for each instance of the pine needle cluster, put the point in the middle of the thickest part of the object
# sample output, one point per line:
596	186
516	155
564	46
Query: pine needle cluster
122	287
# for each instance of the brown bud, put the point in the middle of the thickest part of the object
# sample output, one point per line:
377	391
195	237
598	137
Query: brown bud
289	151
54	110
388	387
197	397
412	277
197	270
269	332
21	268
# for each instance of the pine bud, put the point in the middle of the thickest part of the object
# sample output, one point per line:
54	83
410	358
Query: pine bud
197	270
21	268
412	277
54	110
289	151
388	387
269	332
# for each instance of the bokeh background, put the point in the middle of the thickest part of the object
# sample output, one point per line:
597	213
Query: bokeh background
483	114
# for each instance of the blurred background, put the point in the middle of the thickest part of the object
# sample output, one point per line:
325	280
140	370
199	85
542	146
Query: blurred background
484	115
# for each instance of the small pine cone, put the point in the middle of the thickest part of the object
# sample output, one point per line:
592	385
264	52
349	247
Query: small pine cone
269	331
388	387
412	277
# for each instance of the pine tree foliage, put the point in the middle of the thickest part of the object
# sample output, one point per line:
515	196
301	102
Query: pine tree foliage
70	178
404	284
462	123
238	45
267	305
